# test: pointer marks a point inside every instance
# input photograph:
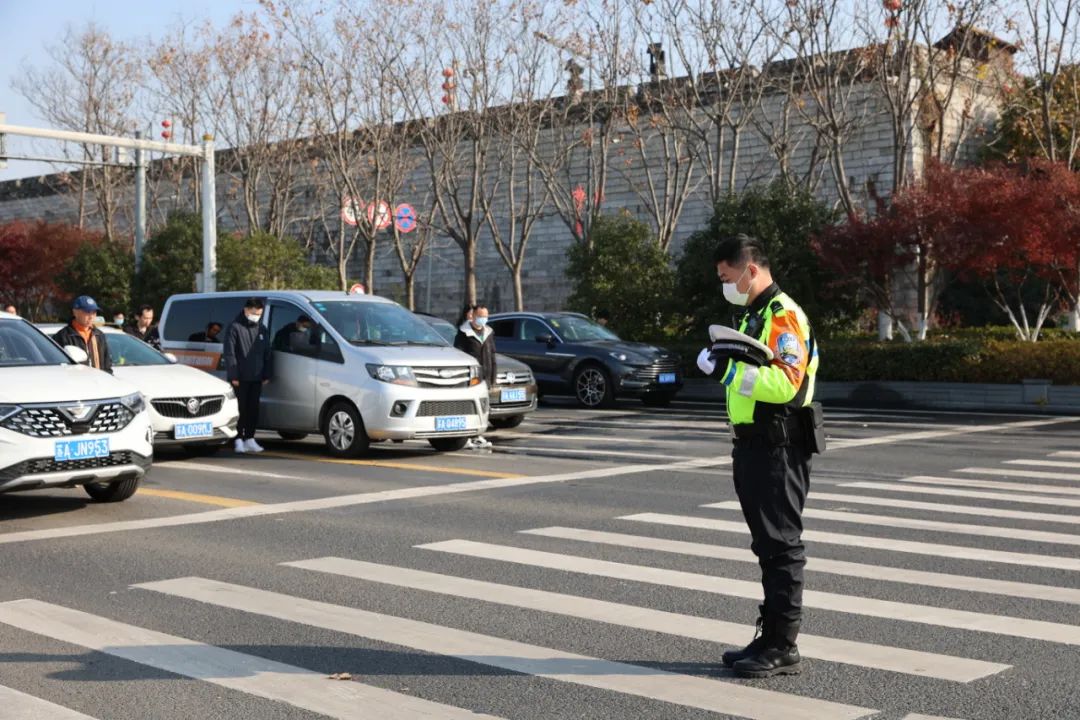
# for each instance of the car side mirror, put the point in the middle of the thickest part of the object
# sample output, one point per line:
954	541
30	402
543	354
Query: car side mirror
171	358
76	353
546	338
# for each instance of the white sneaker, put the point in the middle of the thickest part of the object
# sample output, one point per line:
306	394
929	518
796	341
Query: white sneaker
483	442
251	446
239	446
470	444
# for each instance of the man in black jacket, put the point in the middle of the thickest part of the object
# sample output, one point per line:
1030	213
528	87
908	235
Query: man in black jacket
247	367
81	333
477	339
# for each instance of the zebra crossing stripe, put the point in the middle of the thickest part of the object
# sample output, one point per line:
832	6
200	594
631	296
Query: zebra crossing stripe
916	716
226	668
1040	536
910	662
958	552
20	706
993	485
1009	472
856	605
1045	463
637	680
885	573
951	508
1015	498
1066	454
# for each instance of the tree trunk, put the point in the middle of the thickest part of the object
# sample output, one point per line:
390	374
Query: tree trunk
1074	318
369	267
469	252
519	296
884	325
410	289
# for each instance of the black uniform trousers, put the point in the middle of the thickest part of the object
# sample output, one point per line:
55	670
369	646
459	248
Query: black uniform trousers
247	397
772	482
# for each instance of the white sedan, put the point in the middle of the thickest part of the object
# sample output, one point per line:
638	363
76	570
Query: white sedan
188	407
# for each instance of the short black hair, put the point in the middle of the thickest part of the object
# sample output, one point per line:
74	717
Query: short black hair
254	303
143	308
214	323
603	315
739	250
305	319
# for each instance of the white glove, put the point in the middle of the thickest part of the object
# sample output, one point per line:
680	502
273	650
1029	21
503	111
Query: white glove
704	364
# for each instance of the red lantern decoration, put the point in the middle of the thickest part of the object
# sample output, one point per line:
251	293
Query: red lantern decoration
166	134
448	86
893	5
446	99
166	124
448	72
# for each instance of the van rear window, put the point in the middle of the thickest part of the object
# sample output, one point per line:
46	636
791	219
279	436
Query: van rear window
187	320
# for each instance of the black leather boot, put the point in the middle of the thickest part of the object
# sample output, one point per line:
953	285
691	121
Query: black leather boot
756	645
779	657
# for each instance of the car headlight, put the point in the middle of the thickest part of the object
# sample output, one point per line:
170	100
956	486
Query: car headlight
474	375
394	374
7	411
230	394
629	358
135	402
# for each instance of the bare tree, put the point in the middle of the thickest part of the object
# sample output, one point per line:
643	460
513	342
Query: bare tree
89	86
1050	35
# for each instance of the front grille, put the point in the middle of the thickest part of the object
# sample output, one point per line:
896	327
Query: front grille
44	466
653	372
437	408
520	378
178	408
442	377
49	421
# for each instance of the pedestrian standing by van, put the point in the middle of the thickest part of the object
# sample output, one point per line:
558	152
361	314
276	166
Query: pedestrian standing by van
247	367
82	333
144	328
776	427
477	339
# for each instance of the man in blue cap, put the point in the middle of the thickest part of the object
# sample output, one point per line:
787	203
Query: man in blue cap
82	333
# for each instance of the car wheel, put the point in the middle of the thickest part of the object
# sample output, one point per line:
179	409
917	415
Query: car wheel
592	387
448	444
659	399
292	436
343	431
113	492
204	450
506	423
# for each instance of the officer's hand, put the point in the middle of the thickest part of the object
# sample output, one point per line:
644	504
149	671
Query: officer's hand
725	350
704	363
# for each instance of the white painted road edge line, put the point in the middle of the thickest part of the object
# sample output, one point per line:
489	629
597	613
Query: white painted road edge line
853	604
635	680
960	552
223	470
882	657
878	573
226	668
20	706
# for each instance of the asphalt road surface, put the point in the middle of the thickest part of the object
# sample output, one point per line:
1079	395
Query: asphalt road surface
595	565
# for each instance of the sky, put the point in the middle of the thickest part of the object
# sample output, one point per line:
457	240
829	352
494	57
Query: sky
28	26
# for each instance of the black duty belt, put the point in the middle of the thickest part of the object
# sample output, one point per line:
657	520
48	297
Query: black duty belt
780	429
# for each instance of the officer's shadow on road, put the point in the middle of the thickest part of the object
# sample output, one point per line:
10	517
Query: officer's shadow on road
126	664
17	506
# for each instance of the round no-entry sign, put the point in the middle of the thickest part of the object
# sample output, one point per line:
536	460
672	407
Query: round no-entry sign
378	214
404	218
350	210
357	289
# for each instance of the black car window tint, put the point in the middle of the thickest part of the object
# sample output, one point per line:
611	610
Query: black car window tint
185	318
503	328
283	317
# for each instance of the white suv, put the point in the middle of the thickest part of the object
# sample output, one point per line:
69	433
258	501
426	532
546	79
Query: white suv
63	424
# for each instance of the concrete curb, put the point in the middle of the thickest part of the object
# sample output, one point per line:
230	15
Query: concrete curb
1031	396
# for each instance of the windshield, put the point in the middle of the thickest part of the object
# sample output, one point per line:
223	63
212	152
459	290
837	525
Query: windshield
126	350
376	323
21	345
578	329
445	329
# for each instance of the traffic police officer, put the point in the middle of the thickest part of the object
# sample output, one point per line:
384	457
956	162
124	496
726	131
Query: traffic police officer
772	445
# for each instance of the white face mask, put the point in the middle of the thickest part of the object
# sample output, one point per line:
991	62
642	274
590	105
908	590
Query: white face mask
732	294
253	318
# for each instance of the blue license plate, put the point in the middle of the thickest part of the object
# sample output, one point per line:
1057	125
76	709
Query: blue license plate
451	423
71	450
513	395
193	431
667	378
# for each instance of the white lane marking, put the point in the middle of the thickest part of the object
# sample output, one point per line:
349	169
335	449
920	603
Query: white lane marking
226	668
1066	453
1015	498
883	573
916	716
950	508
1007	472
938	434
1040	536
636	680
20	706
853	604
522	449
1045	463
910	662
878	543
581	438
991	485
342	501
203	467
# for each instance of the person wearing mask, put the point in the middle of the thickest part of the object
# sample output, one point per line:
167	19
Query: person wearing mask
296	337
143	328
247	367
767	403
477	339
209	335
118	320
82	333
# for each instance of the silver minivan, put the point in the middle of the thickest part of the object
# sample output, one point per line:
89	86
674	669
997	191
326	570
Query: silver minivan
356	368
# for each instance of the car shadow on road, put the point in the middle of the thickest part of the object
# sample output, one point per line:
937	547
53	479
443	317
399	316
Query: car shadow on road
18	506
